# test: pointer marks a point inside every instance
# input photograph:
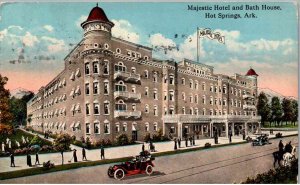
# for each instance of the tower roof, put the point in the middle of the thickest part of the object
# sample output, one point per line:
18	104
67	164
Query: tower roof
97	14
251	72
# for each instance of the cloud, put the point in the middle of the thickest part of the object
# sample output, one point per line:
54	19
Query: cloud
54	45
29	39
48	28
159	40
81	19
124	30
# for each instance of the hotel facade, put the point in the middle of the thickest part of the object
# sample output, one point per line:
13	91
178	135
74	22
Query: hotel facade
111	86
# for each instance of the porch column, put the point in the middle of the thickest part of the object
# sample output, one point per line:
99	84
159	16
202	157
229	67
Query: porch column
259	127
232	129
179	130
246	128
202	129
252	128
226	129
211	129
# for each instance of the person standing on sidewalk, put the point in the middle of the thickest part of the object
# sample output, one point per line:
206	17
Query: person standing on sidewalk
143	147
179	142
84	154
62	157
75	155
12	159
37	158
230	135
186	142
175	144
102	152
28	159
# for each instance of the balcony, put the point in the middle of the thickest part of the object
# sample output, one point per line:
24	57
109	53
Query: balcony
128	114
126	76
248	96
127	95
249	107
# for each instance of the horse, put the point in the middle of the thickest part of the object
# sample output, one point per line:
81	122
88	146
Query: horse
288	157
278	156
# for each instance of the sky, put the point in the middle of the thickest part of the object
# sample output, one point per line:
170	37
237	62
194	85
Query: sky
35	38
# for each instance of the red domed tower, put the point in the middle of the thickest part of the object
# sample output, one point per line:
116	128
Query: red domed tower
97	23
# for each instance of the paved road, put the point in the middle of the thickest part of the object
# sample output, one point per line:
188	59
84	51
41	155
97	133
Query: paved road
230	164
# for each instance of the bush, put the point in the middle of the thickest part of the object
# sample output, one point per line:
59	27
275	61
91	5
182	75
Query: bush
63	142
278	135
147	137
88	143
207	145
36	140
5	130
122	140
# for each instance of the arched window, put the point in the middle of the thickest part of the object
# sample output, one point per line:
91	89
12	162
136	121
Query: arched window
146	74
203	111
120	67
133	89
106	68
171	95
155	78
97	127
224	89
121	106
106	107
120	86
133	70
106	87
203	86
96	87
183	95
191	111
146	91
146	108
88	128
155	127
155	110
183	81
87	68
196	84
171	79
106	127
191	84
183	110
155	95
204	99
96	67
147	127
96	108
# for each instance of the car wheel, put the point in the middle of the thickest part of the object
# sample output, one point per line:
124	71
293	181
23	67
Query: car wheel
110	173
119	174
149	170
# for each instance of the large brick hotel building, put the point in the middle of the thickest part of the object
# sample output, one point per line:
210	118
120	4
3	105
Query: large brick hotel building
111	86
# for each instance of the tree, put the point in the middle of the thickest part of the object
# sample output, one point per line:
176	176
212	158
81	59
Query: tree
287	108
263	108
5	114
276	110
295	111
18	108
5	131
63	142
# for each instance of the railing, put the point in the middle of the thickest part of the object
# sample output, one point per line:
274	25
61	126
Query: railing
128	114
251	107
248	96
127	75
127	95
207	118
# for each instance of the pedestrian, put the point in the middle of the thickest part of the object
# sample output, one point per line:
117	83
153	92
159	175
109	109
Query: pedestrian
12	159
102	152
193	140
62	157
186	142
75	155
230	135
83	154
179	142
288	147
244	134
44	133
143	147
175	144
216	137
28	160
37	158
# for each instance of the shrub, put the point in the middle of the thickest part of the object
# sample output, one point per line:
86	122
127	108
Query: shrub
122	139
88	143
278	135
5	130
63	142
36	140
207	145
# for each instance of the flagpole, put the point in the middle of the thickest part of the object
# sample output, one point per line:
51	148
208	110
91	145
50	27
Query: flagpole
197	44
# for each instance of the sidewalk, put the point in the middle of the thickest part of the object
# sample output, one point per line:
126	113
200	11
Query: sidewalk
113	152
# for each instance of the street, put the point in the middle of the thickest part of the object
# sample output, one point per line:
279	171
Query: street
229	164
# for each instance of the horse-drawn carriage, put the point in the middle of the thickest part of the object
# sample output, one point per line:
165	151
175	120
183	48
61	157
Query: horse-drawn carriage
260	140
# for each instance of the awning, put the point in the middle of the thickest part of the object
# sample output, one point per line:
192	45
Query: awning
72	77
73	108
46	124
77	90
77	107
134	127
72	92
56	124
72	125
63	125
77	124
60	124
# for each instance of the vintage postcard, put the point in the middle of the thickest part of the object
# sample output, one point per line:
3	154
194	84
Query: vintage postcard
148	92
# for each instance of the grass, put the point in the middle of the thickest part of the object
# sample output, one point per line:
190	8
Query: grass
40	170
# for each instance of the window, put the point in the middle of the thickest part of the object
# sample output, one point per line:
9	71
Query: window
133	70
155	126
172	130
106	128
203	99
106	88
155	94
183	110
196	85
118	50
87	88
87	68
133	89
196	111
203	111
224	89
203	86
78	72
96	67
97	128
106	108
87	109
211	89
191	111
171	79
216	101
183	81
147	127
211	112
155	111
133	107
87	128
196	98
191	98
171	111
191	84
211	101
165	95
120	67
121	106
165	110
146	91
124	127
106	69
96	108
155	77
96	87
146	74
117	127
171	95
224	102
146	108
183	96
120	86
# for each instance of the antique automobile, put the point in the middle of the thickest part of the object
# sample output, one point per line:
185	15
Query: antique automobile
138	165
260	140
